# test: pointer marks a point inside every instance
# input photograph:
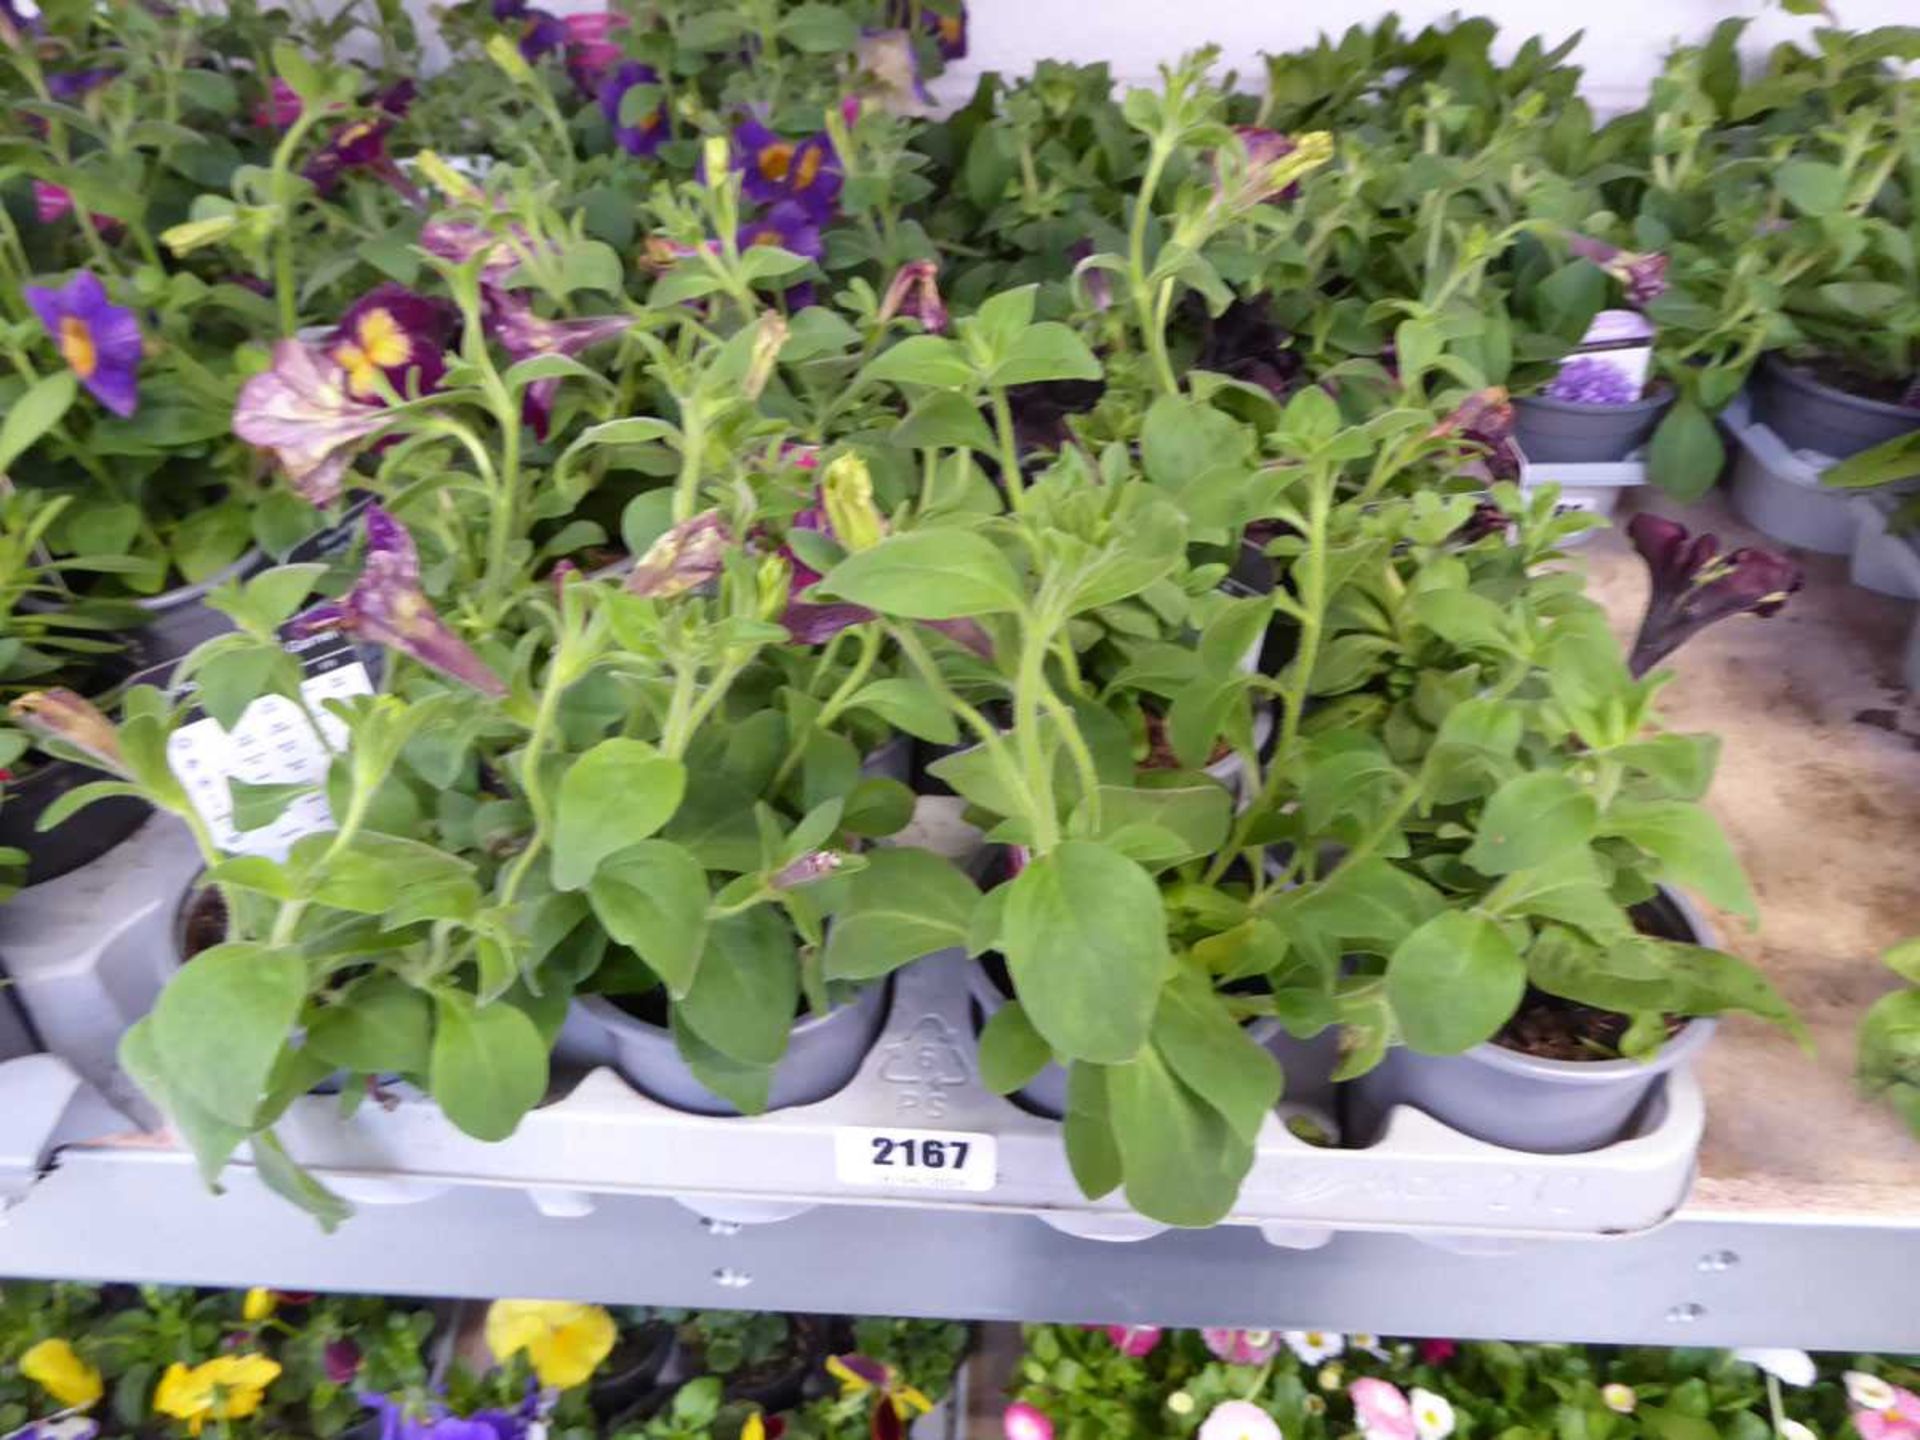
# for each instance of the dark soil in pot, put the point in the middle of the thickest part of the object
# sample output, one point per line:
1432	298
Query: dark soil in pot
1815	407
628	1377
1551	1028
202	923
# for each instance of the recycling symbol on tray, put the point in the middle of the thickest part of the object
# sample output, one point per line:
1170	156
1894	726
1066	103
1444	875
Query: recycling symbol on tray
924	1065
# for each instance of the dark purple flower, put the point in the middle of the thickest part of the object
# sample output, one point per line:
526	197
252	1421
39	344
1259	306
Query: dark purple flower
392	332
1643	275
649	132
1437	1352
1693	585
17	26
100	341
300	410
915	293
1485	419
1585	380
1041	407
69	87
1245	342
362	145
541	31
432	1419
280	108
688	556
790	225
388	607
341	1360
523	335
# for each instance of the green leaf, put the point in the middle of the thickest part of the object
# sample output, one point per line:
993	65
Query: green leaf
905	904
1048	351
1532	819
939	574
1692	850
488	1065
42	407
1012	1052
615	795
1372	904
1181	1159
257	806
742	1085
380	1026
944	420
1214	1056
1463	619
227	683
288	1180
221	1022
1086	942
1567	888
211	1139
1813	187
652	897
1454	982
743	998
1686	456
922	360
1892	460
909	705
1159	825
1092	1154
1681	764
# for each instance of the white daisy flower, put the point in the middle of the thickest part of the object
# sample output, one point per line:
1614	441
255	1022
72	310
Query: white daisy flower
1432	1414
1790	1367
1619	1398
1314	1346
1180	1403
1868	1392
1369	1343
1330	1378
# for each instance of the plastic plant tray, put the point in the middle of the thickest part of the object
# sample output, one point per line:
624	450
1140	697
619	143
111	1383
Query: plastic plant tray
1778	490
1594	488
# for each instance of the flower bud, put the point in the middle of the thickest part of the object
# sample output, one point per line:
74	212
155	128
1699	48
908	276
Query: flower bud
685	558
447	180
715	157
62	715
506	54
846	492
768	338
775	585
191	235
813	866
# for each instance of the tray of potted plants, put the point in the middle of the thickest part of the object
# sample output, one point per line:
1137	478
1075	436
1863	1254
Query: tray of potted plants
538	806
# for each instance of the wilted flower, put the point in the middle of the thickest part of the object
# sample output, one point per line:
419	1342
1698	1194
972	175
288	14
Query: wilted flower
301	411
1485	419
1643	275
915	293
100	341
591	52
1693	585
227	1387
565	1341
523	335
341	1360
57	1368
1313	1346
1021	1421
1868	1392
1619	1398
1134	1341
649	132
280	108
60	714
1790	1367
1432	1414
1381	1411
393	333
1238	1420
895	1402
769	338
1585	380
814	865
688	556
890	68
1242	1347
1099	285
386	606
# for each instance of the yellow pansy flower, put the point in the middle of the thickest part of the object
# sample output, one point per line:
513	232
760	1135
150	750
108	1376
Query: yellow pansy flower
228	1387
564	1341
258	1305
57	1368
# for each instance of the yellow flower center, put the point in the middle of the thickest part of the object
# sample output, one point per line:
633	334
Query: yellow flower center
775	161
950	28
809	168
379	343
77	347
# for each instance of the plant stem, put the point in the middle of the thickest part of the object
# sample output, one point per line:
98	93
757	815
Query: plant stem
1028	689
1009	449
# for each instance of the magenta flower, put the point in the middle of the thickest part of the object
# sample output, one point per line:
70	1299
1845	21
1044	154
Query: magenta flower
1693	585
1381	1411
688	556
461	240
279	109
1586	380
649	132
100	341
1242	1347
1644	276
523	335
393	333
915	293
789	225
51	202
387	607
591	51
1021	1421
341	1360
1134	1341
1438	1352
301	412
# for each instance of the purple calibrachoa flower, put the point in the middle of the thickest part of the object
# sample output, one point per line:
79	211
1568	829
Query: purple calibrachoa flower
541	31
685	558
300	410
392	332
51	202
1693	585
435	1420
648	133
1643	275
71	86
388	607
776	169
100	341
790	225
915	293
1585	380
523	335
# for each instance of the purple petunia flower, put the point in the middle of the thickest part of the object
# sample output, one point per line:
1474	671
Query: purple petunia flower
1585	380
1643	275
1485	419
523	335
435	1420
280	108
647	134
69	87
362	145
790	225
100	341
541	32
915	293
392	332
591	51
1695	585
301	411
388	607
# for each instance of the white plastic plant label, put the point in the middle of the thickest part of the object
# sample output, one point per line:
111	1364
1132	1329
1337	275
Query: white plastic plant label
273	744
897	1159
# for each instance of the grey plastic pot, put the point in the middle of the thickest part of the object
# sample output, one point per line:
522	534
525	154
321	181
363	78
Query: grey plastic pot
1882	561
1779	493
181	618
1557	432
1810	415
1545	1107
823	1054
